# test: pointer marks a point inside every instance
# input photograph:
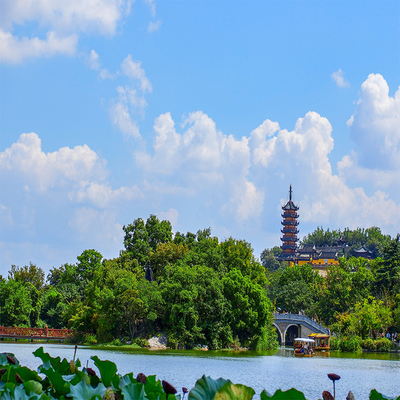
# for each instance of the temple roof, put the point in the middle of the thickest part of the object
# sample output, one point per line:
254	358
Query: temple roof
363	250
290	206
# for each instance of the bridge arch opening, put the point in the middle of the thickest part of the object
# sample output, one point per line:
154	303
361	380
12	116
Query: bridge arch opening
292	332
278	334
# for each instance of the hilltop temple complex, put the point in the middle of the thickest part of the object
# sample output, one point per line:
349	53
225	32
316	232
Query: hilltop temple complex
318	257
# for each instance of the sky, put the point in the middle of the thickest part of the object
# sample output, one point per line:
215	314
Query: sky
199	112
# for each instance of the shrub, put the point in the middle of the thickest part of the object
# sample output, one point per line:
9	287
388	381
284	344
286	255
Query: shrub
90	339
335	343
351	344
383	344
141	342
368	344
116	342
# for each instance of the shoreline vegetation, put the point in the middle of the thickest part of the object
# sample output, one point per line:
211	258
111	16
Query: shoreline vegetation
210	294
61	379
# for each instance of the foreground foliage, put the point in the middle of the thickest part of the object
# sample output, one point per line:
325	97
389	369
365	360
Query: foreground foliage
64	380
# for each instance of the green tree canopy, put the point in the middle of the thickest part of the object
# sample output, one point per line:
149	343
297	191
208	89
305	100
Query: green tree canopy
28	273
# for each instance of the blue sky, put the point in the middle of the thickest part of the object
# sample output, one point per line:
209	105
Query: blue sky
201	112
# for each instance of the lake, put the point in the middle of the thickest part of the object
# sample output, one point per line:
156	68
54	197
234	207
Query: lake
261	370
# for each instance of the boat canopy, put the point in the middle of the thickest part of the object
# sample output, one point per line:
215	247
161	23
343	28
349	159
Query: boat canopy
306	340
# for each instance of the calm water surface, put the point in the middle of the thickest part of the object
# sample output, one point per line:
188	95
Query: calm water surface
266	370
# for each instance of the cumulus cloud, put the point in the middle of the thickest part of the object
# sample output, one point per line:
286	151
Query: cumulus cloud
61	21
49	198
203	160
338	78
131	98
14	50
241	177
152	6
79	173
154	26
93	62
134	70
375	125
41	171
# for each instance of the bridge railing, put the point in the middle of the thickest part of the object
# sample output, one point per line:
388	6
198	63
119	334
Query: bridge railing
16	331
301	318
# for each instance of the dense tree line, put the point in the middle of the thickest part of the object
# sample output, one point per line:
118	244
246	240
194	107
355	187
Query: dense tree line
371	238
357	297
203	291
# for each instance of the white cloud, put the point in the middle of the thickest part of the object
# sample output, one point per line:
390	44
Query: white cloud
120	110
93	62
338	78
134	70
13	50
57	201
154	26
242	177
62	22
131	98
152	6
375	125
171	215
41	171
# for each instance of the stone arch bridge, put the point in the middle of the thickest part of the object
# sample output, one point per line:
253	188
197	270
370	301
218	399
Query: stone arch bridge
290	326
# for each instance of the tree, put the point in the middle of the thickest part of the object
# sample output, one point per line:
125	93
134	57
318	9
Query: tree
344	286
249	307
142	238
15	303
194	306
269	261
88	262
369	316
31	274
387	276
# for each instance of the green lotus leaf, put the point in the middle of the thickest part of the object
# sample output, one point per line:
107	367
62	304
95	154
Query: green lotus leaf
374	395
154	389
108	371
206	388
82	391
291	394
60	386
62	367
134	391
231	391
126	380
28	375
4	361
33	387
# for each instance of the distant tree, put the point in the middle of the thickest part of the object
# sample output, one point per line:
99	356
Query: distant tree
25	274
88	262
369	316
15	303
269	261
387	276
142	238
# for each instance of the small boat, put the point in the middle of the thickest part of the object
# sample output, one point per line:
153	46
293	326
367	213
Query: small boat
321	341
303	347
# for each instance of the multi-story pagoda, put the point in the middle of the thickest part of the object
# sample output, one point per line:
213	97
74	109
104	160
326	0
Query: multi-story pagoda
290	231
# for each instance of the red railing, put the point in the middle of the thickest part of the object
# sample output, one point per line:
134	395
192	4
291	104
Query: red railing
35	333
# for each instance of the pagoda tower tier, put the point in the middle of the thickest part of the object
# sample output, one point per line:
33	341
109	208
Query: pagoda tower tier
289	230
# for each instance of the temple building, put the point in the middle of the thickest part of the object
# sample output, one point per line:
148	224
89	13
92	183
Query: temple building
319	257
289	230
